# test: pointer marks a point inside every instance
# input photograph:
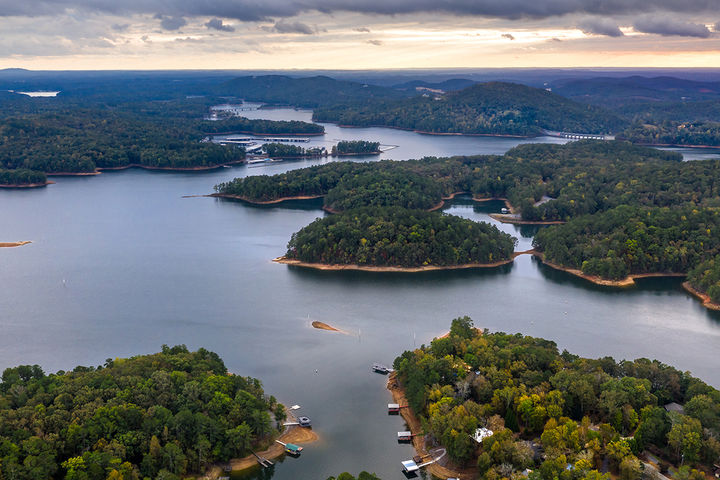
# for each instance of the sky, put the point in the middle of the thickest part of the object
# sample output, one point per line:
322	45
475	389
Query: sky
357	34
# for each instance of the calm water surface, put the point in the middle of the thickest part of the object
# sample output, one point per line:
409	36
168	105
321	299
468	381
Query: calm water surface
120	264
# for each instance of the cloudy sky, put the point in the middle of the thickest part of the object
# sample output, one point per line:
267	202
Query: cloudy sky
357	34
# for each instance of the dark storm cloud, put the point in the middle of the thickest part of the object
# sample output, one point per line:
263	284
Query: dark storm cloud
668	27
293	27
717	27
252	10
362	29
508	36
172	23
217	24
600	26
120	27
377	43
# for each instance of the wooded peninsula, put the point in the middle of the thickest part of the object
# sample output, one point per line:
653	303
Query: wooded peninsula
554	415
164	415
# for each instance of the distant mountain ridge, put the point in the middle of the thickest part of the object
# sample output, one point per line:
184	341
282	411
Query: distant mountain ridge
305	91
619	91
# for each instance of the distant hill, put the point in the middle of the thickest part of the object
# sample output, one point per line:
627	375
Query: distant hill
304	92
485	108
446	86
636	89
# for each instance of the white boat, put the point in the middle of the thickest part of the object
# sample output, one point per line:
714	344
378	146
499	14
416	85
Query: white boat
259	160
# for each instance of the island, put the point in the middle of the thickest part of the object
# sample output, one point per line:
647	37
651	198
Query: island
165	415
504	405
397	239
356	147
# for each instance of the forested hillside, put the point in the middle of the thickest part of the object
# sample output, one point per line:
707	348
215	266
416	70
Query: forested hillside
633	240
151	416
493	108
560	415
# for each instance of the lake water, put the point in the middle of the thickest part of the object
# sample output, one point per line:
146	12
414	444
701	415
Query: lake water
120	264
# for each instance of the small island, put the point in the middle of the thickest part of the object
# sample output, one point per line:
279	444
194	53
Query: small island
506	406
166	415
396	239
356	147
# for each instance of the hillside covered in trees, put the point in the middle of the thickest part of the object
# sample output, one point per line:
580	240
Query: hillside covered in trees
152	416
493	108
345	185
70	138
579	177
560	415
399	237
634	240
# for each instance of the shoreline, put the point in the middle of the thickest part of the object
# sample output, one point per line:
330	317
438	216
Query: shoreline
415	426
506	218
269	135
628	281
291	434
703	297
14	244
100	170
27	185
395	269
675	145
264	202
423	132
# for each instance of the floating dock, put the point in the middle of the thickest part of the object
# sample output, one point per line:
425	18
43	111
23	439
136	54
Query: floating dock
263	461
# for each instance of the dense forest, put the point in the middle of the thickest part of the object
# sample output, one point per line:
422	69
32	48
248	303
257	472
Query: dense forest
633	240
156	416
83	140
399	237
355	147
71	138
345	185
705	277
261	127
284	150
493	108
560	415
578	178
675	133
21	177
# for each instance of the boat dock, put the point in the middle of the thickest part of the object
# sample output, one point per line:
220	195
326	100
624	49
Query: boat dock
263	461
395	407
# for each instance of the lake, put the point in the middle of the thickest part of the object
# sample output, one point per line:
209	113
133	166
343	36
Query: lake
120	264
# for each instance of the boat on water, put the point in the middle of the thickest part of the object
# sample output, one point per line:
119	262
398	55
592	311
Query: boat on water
259	160
379	368
292	449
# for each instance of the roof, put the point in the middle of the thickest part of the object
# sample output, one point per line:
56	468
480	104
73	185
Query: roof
410	466
482	433
292	447
393	405
404	434
674	407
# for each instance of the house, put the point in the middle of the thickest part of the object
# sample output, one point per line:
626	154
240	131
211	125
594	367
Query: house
675	407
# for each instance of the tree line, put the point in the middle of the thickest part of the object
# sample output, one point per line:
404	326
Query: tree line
633	240
399	237
21	177
152	416
493	108
560	415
